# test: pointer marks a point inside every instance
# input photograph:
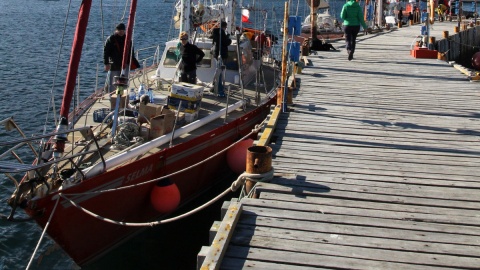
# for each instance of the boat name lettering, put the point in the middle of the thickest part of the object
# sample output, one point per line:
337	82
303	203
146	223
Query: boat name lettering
139	173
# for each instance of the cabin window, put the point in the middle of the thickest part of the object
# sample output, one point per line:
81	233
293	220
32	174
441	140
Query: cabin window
207	59
171	58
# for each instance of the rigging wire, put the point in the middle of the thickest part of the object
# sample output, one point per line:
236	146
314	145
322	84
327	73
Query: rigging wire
52	99
43	234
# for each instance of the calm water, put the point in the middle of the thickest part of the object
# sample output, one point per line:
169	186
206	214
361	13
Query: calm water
30	41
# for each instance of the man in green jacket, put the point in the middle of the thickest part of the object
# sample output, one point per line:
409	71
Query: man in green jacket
352	16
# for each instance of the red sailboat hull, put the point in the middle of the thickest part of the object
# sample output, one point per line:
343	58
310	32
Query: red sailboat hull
85	237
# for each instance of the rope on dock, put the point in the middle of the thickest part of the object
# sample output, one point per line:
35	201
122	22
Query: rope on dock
43	234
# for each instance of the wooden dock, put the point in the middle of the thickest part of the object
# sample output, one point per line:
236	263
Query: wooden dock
377	167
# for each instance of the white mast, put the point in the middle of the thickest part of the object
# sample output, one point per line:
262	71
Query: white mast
184	17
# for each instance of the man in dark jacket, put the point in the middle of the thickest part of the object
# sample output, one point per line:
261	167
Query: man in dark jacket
113	54
221	41
191	56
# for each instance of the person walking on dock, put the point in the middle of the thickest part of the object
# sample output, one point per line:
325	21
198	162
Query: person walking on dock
352	19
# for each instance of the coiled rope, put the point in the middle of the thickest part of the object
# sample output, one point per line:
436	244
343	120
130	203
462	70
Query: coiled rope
235	185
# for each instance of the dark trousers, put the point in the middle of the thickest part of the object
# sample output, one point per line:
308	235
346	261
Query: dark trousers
188	76
351	33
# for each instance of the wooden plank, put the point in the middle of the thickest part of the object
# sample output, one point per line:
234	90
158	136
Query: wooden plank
420	259
363	212
393	207
362	195
361	218
269	128
246	230
344	228
314	260
231	263
219	245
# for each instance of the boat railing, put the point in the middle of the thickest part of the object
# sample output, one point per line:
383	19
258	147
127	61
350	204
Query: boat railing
155	57
17	165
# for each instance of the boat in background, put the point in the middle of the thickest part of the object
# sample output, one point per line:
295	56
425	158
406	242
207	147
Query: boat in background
94	180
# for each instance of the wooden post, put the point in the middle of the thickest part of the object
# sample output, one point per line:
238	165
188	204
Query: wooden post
284	57
445	34
456	29
399	24
259	160
290	94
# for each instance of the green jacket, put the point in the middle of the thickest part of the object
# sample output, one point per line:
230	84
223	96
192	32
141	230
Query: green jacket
352	14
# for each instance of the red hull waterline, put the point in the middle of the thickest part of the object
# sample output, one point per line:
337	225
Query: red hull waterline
86	238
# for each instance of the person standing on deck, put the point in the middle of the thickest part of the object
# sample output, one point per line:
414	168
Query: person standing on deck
352	19
221	41
113	55
191	56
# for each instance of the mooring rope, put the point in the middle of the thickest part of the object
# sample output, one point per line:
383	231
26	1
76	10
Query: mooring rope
43	234
257	178
235	185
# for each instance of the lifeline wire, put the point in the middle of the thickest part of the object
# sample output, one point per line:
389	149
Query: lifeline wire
256	129
52	100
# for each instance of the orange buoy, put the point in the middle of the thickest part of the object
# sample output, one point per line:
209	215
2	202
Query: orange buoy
237	156
165	196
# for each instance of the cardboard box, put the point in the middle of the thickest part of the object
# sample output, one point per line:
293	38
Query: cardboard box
162	124
149	110
187	91
113	101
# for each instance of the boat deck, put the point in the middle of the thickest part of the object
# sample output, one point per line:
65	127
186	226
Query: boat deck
210	103
388	174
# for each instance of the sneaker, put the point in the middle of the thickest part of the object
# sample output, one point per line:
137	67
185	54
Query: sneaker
350	56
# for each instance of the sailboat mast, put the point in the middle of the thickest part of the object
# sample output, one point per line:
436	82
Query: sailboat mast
128	37
75	56
184	17
78	39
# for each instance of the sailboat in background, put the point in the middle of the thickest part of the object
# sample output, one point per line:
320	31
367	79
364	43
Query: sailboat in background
103	173
325	21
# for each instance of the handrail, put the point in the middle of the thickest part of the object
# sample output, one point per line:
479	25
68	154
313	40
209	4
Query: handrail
42	136
13	167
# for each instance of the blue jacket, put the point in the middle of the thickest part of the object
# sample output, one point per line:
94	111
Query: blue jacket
352	14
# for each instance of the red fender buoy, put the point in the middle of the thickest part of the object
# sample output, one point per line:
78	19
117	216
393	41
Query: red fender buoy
476	61
165	196
237	156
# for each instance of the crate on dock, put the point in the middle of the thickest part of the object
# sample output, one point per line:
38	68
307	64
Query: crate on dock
100	114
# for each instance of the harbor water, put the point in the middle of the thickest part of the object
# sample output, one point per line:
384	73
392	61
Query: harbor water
35	46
